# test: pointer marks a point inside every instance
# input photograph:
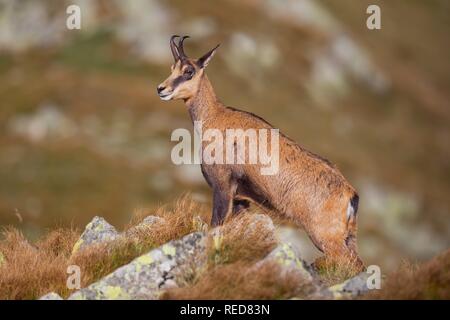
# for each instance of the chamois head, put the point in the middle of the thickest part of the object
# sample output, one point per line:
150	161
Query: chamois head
186	74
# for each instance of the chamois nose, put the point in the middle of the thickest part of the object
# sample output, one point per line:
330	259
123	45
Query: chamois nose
160	88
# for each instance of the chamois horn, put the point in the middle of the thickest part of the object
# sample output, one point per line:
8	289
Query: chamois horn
174	48
180	47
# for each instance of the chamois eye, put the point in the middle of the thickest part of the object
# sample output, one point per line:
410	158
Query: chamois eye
189	73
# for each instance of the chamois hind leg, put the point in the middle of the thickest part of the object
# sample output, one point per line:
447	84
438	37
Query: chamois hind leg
334	233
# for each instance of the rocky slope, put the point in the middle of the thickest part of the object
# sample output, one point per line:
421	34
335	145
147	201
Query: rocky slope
151	274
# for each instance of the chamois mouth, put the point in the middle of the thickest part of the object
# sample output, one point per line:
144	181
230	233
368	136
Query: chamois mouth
165	96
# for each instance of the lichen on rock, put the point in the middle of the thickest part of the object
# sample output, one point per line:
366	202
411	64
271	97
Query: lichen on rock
97	231
146	276
286	256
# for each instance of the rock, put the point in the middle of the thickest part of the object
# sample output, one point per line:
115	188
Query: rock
147	275
350	288
97	231
299	240
51	296
286	256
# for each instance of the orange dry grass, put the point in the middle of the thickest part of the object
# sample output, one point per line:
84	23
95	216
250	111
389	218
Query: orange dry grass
29	271
241	239
239	281
334	271
230	272
431	280
184	217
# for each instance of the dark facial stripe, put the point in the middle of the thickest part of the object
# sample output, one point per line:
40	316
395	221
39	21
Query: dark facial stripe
184	77
177	81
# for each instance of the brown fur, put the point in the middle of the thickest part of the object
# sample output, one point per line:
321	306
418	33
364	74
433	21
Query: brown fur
307	189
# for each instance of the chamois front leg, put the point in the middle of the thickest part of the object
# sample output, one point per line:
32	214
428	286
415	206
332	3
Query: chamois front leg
222	203
224	191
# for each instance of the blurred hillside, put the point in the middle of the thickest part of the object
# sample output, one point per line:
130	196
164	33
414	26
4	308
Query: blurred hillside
83	132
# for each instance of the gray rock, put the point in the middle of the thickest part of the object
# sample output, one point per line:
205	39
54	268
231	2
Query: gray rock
51	296
97	231
350	288
146	276
287	257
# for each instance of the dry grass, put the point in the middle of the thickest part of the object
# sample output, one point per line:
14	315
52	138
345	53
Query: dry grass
242	238
431	280
183	217
29	271
333	271
240	280
230	271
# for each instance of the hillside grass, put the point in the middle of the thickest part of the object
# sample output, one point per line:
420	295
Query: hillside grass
29	270
412	281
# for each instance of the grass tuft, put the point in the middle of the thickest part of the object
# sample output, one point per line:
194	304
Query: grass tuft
240	280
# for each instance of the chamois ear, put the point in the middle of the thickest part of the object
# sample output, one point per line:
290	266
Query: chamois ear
204	60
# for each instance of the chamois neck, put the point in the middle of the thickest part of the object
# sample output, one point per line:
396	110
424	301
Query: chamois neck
204	103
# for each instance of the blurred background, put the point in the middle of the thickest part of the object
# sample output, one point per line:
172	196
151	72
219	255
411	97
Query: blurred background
83	133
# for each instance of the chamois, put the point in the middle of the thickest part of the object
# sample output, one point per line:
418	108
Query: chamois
307	189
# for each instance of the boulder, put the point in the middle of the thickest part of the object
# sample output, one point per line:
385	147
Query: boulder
146	276
287	257
97	231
